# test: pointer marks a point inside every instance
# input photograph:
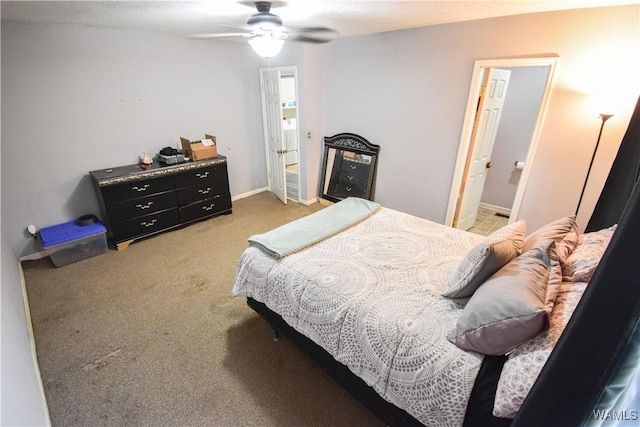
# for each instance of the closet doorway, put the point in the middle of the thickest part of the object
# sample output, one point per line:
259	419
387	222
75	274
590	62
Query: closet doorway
466	146
281	130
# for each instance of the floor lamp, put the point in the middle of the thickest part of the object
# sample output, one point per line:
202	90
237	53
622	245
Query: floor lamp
604	118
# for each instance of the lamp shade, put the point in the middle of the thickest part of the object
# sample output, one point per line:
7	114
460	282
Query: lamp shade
266	46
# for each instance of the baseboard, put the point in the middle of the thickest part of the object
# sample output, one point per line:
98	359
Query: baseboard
32	342
309	202
260	190
249	193
499	209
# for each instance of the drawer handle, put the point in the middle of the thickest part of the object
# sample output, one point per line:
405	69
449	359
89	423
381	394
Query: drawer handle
348	188
352	166
202	175
140	188
147	206
148	224
350	177
207	191
208	208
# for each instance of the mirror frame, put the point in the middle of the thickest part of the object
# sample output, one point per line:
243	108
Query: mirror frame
352	143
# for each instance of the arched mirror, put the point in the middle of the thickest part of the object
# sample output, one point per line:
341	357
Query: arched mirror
348	167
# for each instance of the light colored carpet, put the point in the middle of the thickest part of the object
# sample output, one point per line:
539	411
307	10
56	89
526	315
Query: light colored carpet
152	336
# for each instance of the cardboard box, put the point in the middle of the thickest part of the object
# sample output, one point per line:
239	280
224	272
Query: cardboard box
198	150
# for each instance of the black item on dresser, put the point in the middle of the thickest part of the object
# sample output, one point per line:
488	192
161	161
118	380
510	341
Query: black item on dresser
138	203
349	166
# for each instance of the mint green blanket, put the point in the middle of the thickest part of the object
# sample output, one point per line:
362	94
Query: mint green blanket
313	228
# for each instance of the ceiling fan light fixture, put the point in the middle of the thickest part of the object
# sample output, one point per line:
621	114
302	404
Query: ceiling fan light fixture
265	20
266	46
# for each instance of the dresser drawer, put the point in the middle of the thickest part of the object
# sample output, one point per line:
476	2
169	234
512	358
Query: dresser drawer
197	176
135	189
349	179
347	190
204	190
141	206
206	207
145	225
355	168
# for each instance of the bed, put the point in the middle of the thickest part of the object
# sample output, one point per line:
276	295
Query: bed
424	323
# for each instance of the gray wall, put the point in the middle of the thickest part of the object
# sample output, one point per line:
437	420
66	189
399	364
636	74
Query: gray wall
407	91
76	99
22	399
519	116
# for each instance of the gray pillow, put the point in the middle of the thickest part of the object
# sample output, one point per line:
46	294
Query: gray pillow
554	231
508	309
484	259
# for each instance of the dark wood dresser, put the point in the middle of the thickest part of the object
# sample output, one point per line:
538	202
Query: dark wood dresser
138	203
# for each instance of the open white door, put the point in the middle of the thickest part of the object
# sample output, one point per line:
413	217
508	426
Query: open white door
496	83
272	122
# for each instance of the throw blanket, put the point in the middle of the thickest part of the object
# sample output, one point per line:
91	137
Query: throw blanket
313	228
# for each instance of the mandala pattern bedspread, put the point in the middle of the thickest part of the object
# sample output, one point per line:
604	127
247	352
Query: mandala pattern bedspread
369	296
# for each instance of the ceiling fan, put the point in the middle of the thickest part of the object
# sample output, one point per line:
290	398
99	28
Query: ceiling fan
267	34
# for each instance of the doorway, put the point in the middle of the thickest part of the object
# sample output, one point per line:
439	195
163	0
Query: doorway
281	129
520	167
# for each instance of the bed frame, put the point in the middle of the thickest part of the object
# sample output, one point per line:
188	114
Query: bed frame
480	403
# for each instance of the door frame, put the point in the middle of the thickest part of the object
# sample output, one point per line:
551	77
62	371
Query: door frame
287	70
469	119
474	147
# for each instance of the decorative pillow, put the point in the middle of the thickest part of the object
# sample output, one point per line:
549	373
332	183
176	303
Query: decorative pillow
555	231
555	279
581	264
508	309
484	259
525	363
568	244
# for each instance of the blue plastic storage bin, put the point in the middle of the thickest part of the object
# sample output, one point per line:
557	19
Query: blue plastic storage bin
69	242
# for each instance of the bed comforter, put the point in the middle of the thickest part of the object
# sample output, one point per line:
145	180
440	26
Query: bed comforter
370	297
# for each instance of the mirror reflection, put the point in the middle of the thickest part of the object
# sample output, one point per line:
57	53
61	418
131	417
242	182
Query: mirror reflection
349	167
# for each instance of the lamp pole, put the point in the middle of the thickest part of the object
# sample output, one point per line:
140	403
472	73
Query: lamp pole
604	118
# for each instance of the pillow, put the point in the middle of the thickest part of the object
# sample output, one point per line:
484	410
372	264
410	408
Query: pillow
525	363
508	309
568	244
555	279
581	264
554	231
484	259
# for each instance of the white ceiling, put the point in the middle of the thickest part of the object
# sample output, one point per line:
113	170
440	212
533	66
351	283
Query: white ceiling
347	17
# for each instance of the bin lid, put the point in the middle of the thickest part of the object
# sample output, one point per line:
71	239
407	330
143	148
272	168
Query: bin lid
68	231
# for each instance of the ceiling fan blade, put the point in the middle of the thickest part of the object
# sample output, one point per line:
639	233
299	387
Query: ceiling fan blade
308	39
217	35
312	30
312	34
